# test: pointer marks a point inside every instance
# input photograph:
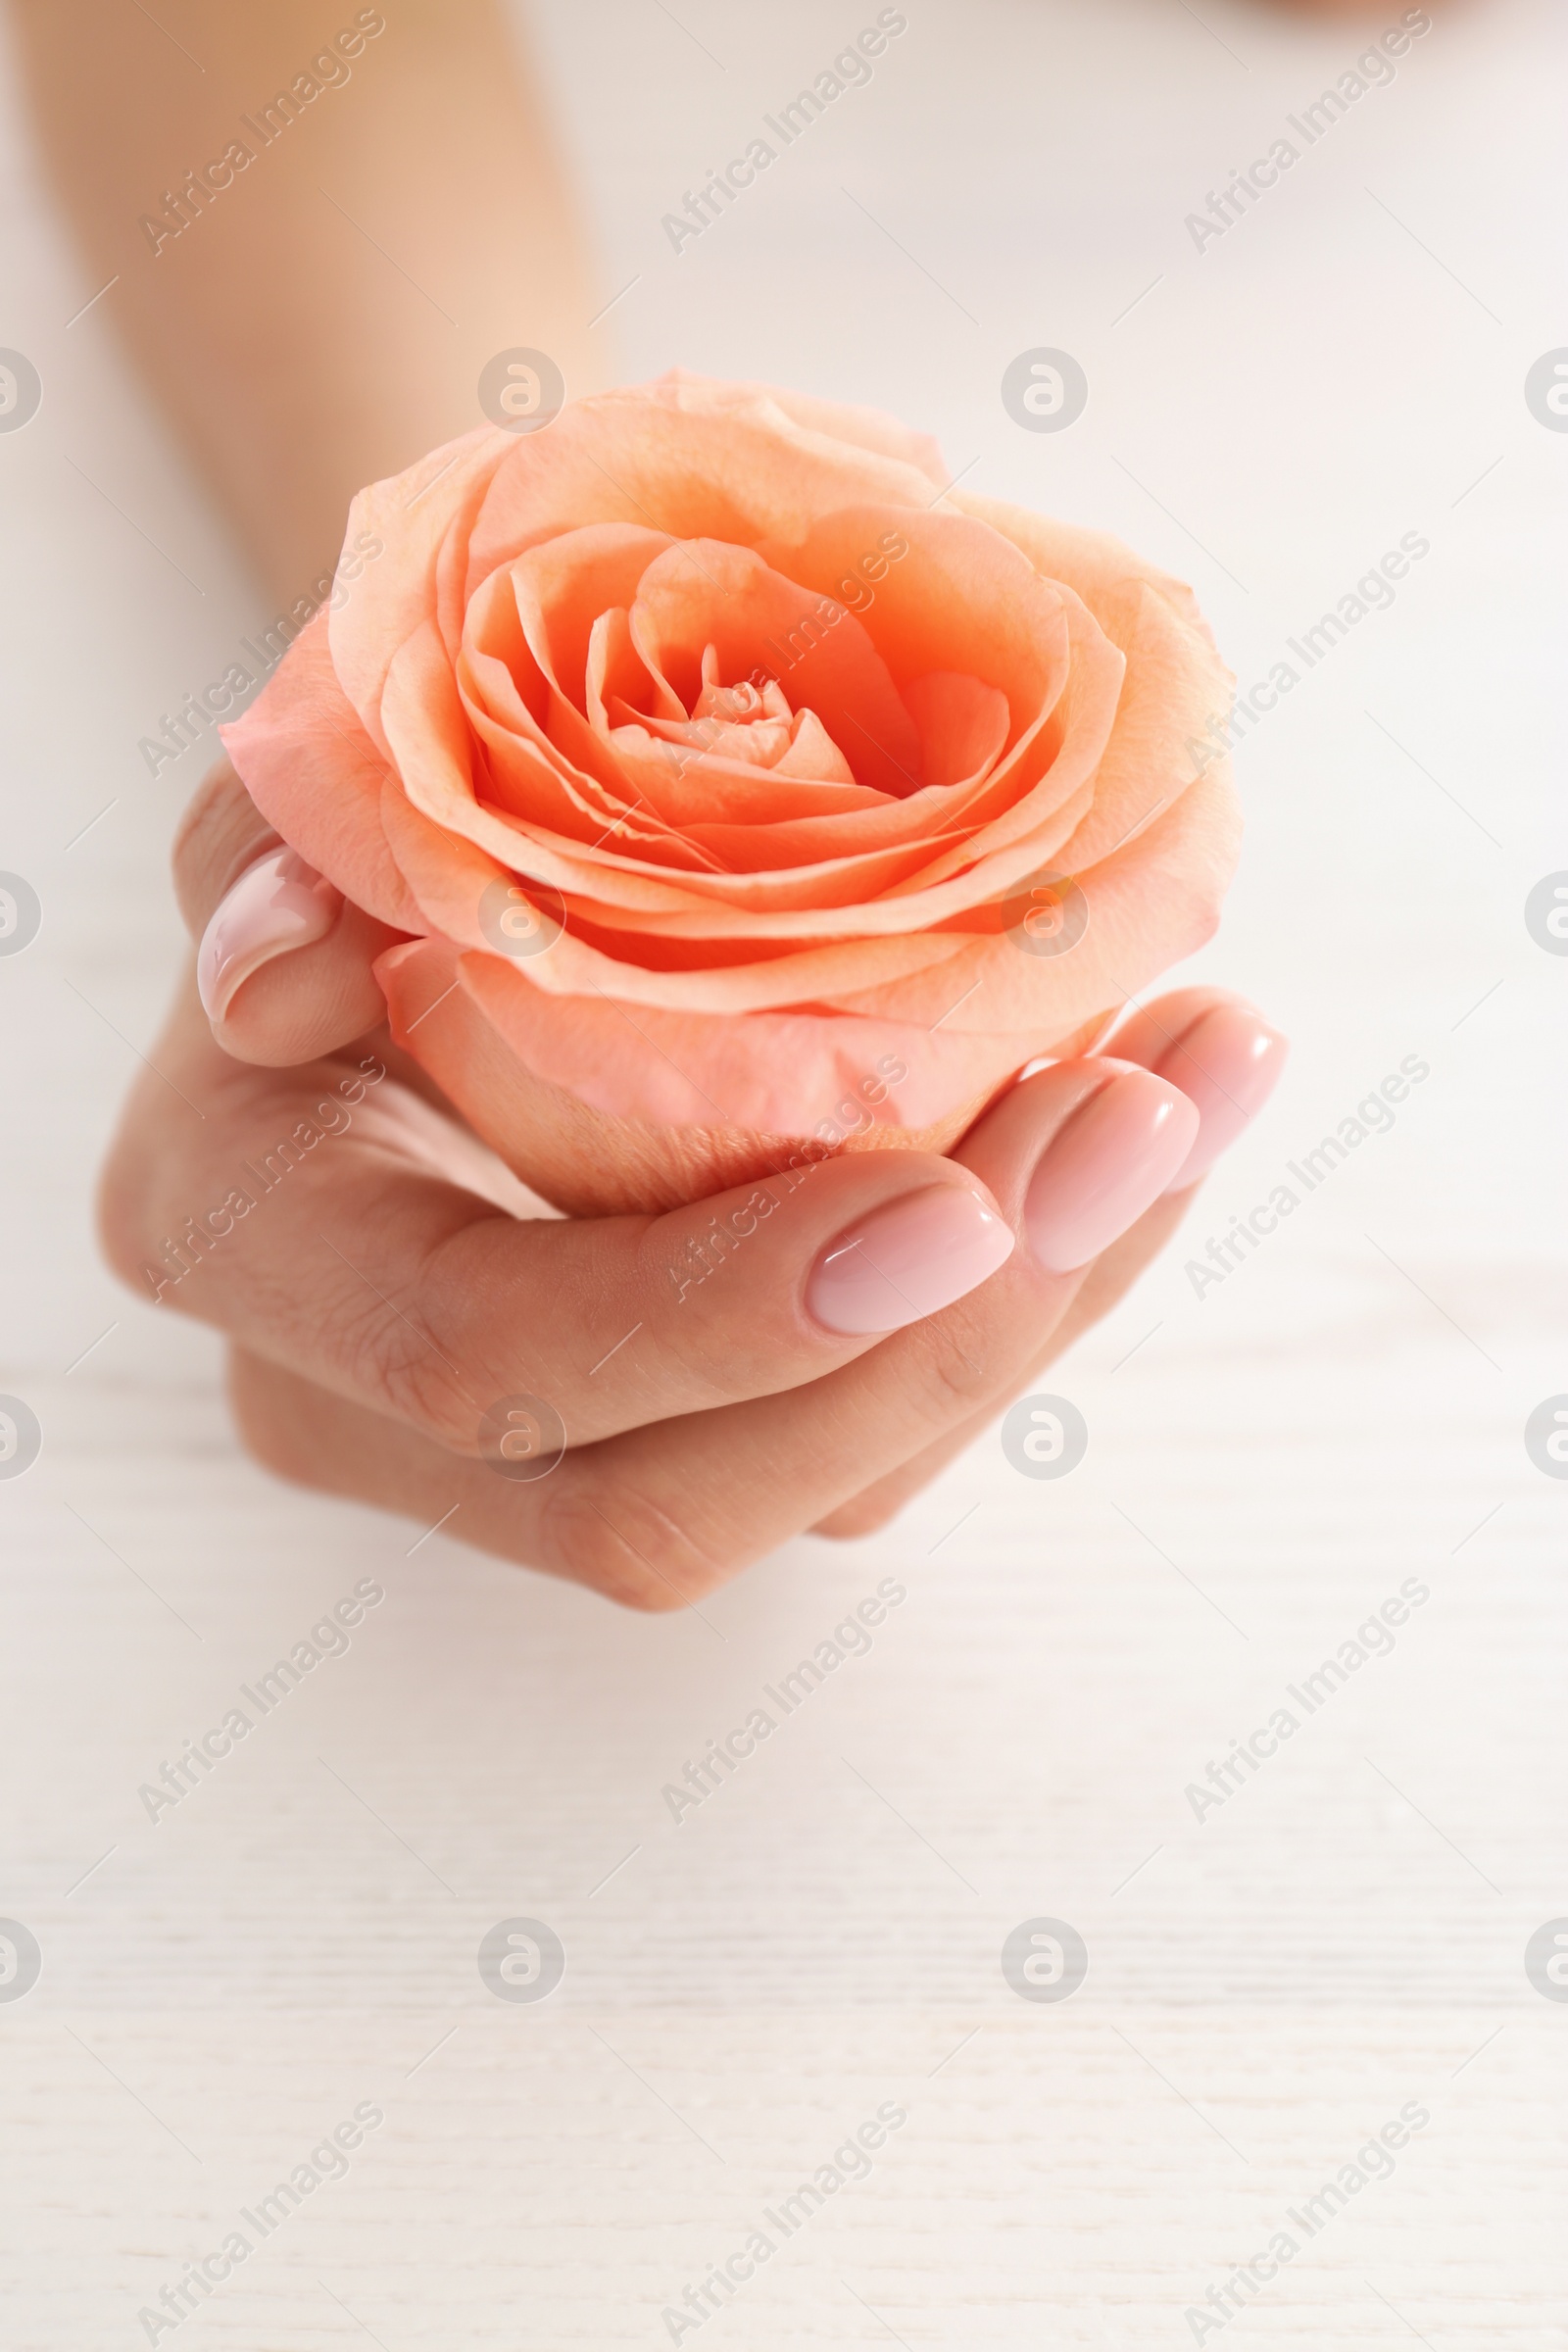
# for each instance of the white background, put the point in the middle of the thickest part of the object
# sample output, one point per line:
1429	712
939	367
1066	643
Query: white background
1346	1932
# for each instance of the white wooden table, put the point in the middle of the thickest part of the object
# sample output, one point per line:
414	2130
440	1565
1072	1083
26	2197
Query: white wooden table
1267	1985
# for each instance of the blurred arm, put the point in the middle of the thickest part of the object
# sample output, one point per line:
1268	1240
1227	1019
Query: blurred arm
321	317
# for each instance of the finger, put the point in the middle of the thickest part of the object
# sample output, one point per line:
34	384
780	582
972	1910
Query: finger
1227	1060
283	960
339	1230
699	1499
655	1515
318	1440
308	1434
1104	1283
1221	1053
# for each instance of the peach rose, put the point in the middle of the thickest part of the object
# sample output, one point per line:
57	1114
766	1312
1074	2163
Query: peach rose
741	788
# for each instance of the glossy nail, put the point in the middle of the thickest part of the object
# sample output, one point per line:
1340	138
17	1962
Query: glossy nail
1227	1065
278	905
1102	1171
907	1260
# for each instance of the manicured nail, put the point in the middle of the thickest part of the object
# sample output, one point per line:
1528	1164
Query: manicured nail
905	1261
1113	1158
277	903
1227	1065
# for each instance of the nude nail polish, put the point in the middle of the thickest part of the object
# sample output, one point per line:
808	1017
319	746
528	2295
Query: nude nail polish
1114	1157
907	1260
1227	1065
278	905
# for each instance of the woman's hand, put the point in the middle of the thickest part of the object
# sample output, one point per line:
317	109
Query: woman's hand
412	1329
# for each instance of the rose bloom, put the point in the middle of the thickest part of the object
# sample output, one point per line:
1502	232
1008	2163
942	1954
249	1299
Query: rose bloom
740	789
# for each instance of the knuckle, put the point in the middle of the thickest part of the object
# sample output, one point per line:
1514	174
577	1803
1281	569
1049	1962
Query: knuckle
405	1374
626	1546
949	1380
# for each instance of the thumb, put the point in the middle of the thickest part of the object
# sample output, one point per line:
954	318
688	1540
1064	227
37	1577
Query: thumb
283	959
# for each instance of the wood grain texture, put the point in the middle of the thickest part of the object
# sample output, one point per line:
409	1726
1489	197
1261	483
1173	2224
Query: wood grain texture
1339	1417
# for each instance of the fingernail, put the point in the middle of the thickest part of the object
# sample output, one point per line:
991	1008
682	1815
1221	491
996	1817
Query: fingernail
1227	1065
907	1260
277	903
1113	1158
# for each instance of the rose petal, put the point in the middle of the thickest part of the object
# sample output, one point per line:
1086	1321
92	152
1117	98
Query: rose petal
535	683
315	774
707	594
963	725
780	1072
410	517
834	419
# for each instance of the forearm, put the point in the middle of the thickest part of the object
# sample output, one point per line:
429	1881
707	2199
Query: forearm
319	316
